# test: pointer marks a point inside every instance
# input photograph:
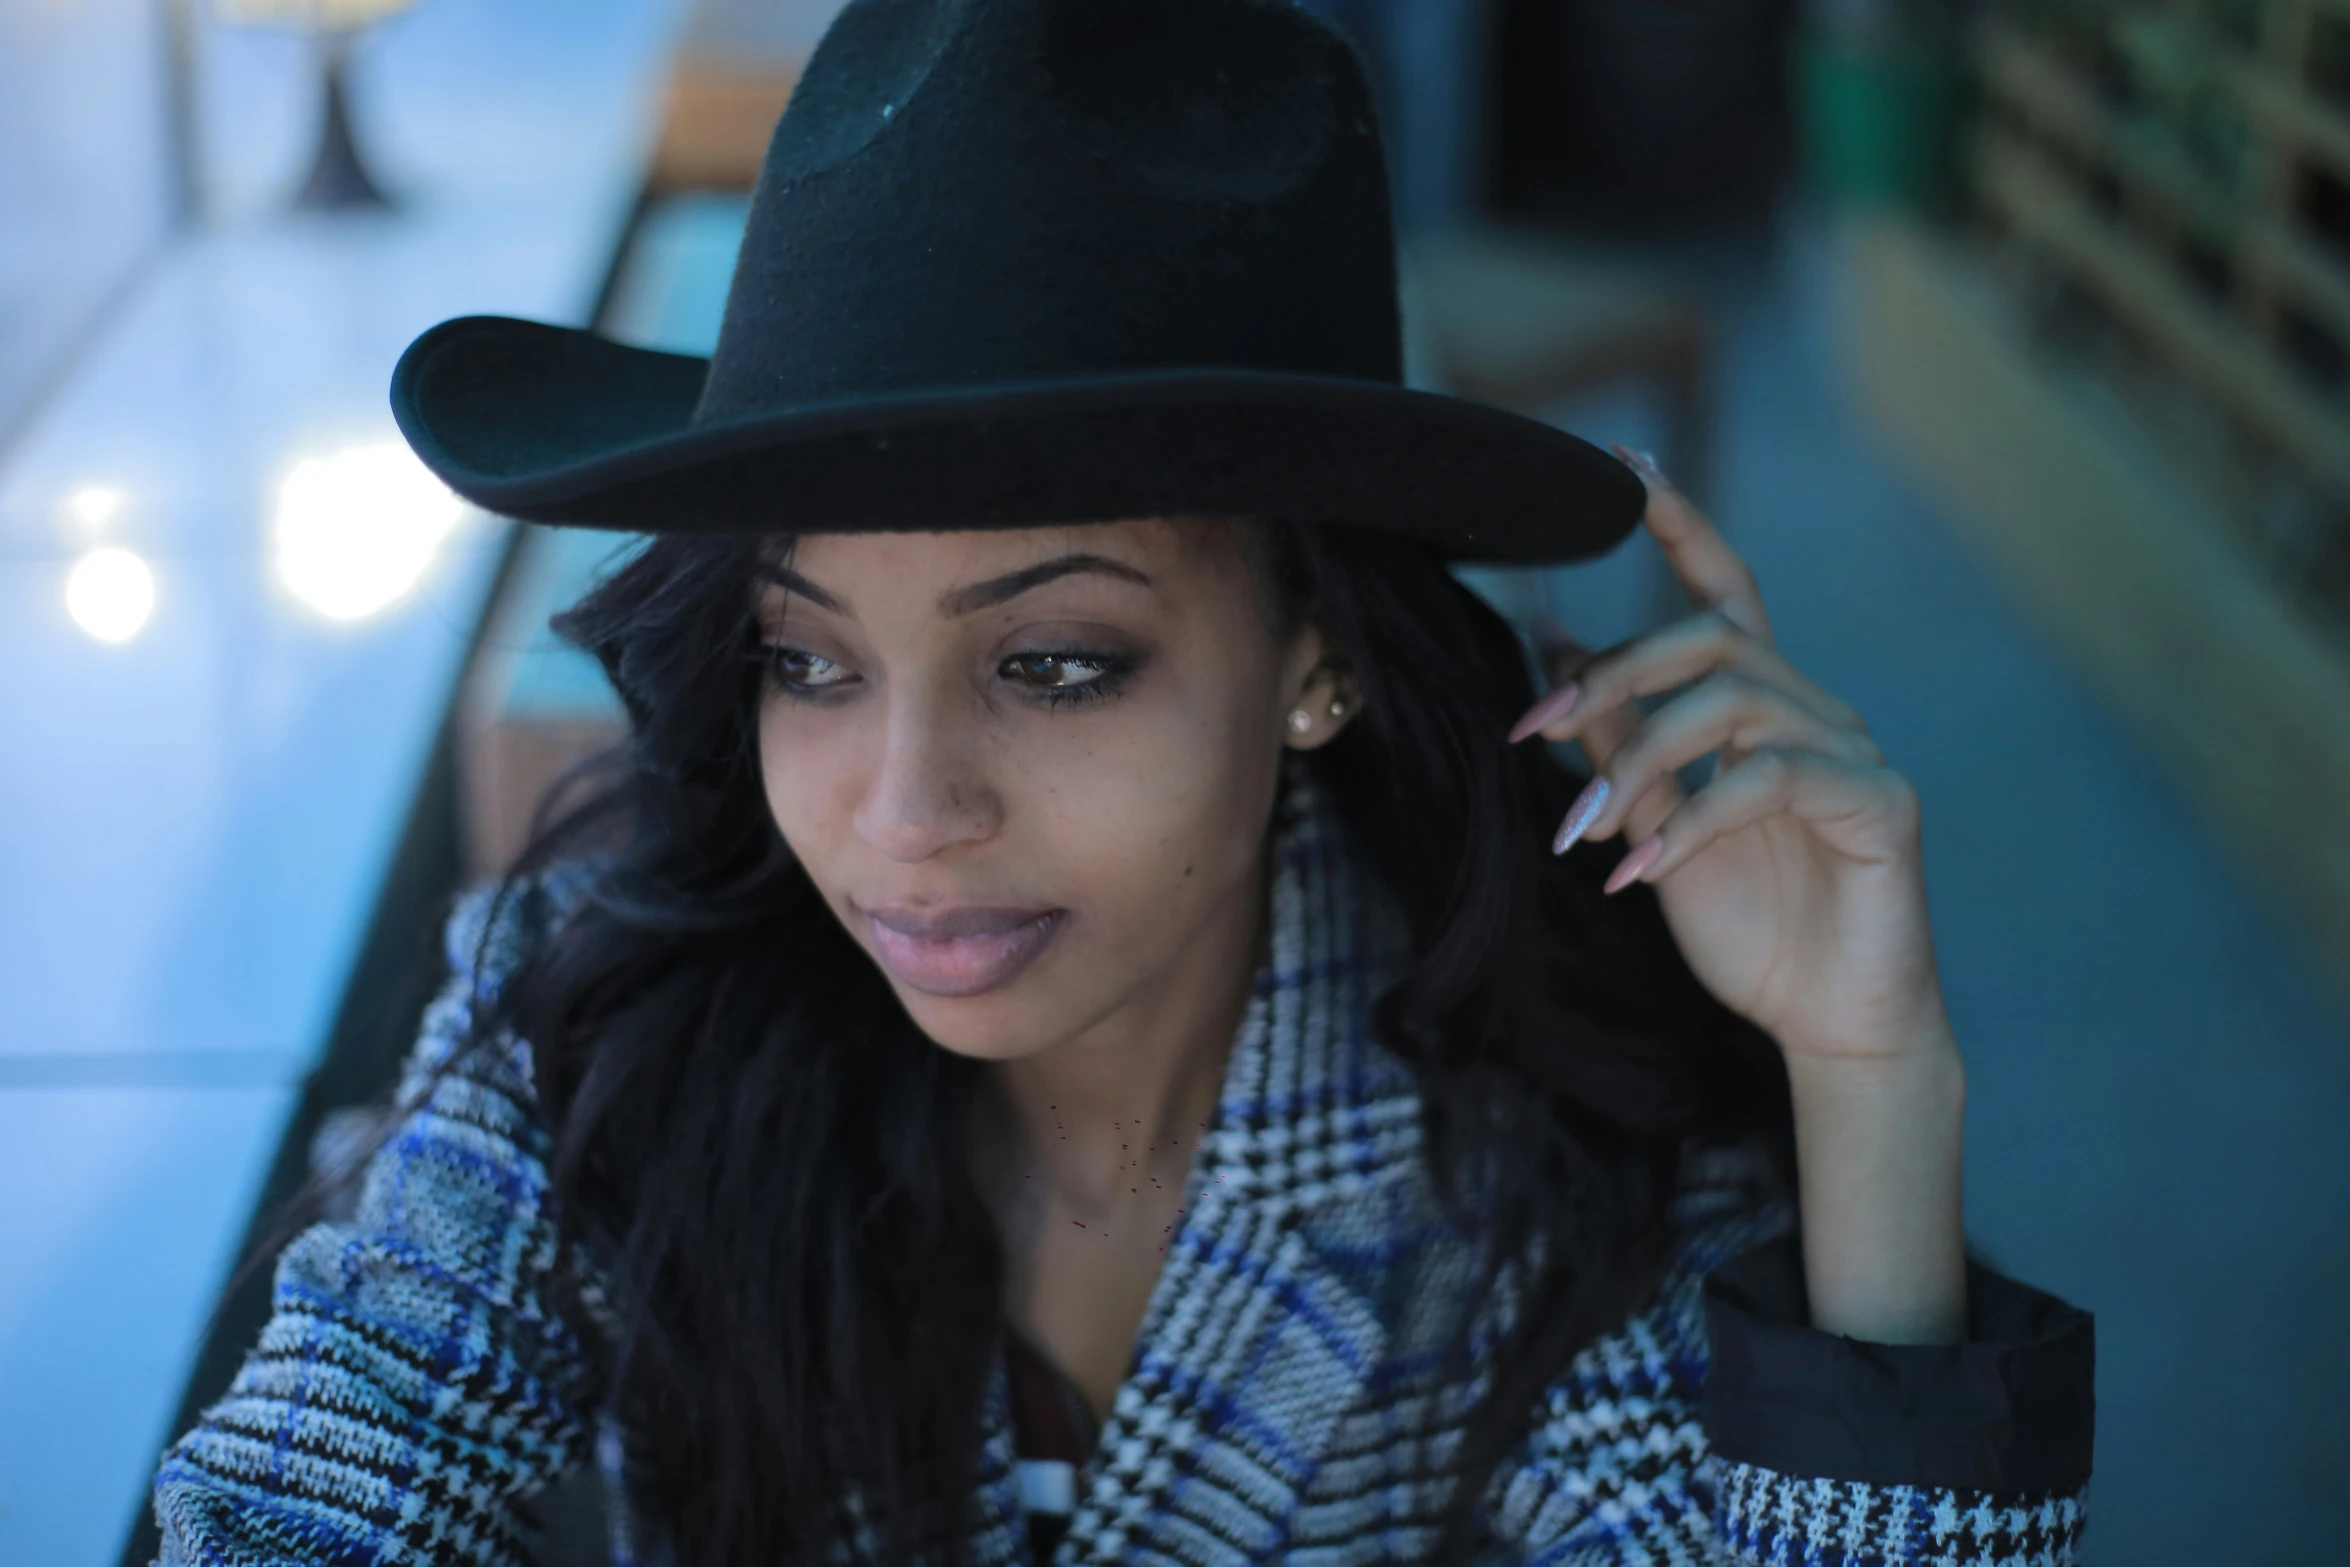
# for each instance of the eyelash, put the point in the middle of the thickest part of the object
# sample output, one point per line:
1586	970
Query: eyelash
1114	669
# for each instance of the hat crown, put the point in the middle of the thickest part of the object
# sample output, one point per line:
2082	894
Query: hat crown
965	193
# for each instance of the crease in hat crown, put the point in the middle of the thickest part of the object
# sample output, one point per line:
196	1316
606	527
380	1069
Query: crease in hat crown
1061	188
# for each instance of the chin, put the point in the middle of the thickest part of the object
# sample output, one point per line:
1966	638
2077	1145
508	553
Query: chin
999	1026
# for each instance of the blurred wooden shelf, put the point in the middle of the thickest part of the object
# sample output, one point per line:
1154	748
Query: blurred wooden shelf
2108	543
2203	341
2124	210
720	116
2288	111
2279	256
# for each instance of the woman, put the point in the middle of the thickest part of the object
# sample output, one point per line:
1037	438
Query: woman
1059	1036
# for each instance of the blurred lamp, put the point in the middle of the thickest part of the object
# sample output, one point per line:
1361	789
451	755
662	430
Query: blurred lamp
89	508
338	178
356	530
110	593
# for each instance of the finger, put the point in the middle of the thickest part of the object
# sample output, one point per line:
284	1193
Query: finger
1806	785
1560	655
1653	799
1565	657
1714	574
1725	712
1599	738
1673	656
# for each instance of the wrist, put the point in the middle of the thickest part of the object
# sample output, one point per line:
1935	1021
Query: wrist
1922	1075
1879	1141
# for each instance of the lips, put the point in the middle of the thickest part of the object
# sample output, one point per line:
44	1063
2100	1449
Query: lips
964	951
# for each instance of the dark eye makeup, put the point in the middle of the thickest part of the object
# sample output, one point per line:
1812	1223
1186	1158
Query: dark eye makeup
1068	675
798	672
1051	677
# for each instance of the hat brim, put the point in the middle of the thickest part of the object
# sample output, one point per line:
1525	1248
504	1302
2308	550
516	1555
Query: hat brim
560	425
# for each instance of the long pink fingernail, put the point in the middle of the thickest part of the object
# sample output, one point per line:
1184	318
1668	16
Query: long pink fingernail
1581	815
1628	869
1643	463
1549	710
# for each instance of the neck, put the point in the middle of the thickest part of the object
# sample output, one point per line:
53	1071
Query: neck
1131	1096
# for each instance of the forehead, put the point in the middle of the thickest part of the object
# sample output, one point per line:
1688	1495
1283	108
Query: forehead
1172	551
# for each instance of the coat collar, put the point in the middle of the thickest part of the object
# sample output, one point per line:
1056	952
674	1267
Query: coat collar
1263	1326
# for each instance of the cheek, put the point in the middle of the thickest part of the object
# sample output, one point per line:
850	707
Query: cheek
1135	812
1155	811
804	772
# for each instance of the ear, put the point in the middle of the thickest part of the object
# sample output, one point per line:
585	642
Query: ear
1320	697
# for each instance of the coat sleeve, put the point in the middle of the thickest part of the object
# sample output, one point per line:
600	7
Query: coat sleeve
1718	1427
415	1378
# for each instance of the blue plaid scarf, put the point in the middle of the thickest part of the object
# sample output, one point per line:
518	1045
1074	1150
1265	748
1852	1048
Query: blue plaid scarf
1286	1400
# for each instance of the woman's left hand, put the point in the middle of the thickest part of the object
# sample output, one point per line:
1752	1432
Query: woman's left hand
1791	880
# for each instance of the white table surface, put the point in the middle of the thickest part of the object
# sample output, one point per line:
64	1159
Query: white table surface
195	823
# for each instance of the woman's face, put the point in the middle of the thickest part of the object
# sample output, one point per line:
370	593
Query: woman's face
1030	770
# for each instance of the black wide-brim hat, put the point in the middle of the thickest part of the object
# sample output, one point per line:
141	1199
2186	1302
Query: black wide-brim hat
1019	262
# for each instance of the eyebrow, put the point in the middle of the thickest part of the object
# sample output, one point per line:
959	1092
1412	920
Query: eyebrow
979	595
800	587
1009	586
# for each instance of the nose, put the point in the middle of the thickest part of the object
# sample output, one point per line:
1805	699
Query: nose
928	790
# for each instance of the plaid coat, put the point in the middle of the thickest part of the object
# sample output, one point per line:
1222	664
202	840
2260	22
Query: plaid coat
419	1380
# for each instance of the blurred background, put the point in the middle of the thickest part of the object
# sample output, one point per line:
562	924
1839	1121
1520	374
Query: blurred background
2008	341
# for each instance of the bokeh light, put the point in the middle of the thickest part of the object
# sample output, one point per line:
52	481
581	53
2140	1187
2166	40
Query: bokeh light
91	508
356	530
110	593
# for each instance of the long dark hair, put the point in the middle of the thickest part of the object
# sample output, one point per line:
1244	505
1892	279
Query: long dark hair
768	1160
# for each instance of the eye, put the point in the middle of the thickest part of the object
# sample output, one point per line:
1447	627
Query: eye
1055	669
1067	676
802	673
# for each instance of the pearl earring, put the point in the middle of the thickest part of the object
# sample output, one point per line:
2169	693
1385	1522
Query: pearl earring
1338	707
1300	720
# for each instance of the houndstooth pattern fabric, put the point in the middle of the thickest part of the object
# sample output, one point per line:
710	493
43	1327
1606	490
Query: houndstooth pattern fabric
1833	1523
1286	1401
412	1380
